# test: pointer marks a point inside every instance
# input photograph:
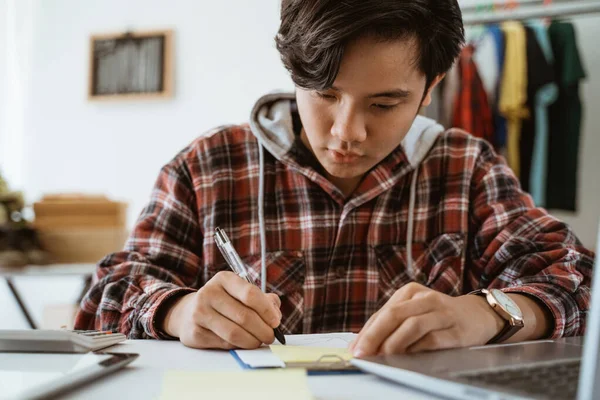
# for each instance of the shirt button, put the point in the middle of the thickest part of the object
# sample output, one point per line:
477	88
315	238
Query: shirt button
340	272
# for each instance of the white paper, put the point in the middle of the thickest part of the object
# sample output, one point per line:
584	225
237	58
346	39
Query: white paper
336	340
264	358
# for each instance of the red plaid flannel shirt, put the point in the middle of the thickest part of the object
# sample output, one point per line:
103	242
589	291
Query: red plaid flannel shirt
334	262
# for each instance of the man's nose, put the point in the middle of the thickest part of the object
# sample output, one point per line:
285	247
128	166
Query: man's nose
349	126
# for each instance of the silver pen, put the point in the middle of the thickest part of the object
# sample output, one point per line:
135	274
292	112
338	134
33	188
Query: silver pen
235	263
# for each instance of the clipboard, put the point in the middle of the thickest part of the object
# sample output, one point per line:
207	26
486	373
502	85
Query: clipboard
325	365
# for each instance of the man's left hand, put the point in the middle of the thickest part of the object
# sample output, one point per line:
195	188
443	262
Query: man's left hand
417	318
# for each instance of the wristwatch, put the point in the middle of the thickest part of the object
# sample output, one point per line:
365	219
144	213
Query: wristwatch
506	308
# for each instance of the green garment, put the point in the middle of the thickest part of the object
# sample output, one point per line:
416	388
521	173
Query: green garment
565	117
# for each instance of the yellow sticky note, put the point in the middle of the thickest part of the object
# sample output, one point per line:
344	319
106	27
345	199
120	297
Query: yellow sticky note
235	385
309	354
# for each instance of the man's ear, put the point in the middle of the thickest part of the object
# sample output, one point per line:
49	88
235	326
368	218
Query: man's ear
427	99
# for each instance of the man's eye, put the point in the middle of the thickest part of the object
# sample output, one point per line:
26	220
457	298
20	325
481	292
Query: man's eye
325	95
385	106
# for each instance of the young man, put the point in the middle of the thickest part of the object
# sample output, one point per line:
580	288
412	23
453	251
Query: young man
364	216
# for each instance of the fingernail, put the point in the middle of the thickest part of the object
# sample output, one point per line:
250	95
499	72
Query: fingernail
358	353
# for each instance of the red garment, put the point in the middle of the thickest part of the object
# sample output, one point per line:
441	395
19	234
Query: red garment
472	111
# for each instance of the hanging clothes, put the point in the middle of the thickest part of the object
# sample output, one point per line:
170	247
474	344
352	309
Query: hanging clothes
472	111
485	58
565	119
499	121
545	96
539	74
513	91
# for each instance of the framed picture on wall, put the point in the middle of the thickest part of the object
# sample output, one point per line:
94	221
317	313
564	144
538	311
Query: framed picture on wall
131	65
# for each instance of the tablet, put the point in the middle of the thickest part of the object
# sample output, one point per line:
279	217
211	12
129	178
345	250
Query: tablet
34	376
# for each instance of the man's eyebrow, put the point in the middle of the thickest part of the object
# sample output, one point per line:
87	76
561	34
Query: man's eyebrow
393	94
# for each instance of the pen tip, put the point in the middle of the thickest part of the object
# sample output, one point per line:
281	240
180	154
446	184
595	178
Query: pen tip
279	336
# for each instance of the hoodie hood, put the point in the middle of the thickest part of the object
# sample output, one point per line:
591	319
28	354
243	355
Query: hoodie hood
271	124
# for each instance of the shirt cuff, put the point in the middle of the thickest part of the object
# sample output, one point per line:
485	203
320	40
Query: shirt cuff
156	311
566	314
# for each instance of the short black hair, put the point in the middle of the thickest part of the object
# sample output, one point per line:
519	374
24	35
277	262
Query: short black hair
314	33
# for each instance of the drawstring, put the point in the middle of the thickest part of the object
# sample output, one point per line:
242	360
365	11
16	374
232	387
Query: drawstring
261	219
411	220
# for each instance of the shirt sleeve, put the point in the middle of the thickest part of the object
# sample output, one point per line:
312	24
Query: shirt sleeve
522	249
161	259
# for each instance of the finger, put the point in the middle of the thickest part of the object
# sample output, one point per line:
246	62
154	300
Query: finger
276	301
389	319
251	296
243	316
405	293
352	344
437	340
412	330
202	338
370	321
229	331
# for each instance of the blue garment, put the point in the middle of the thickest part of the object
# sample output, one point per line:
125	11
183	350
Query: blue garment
500	129
545	96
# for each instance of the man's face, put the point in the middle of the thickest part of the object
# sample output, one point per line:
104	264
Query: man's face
370	108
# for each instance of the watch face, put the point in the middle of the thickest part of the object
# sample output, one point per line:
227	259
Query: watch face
507	303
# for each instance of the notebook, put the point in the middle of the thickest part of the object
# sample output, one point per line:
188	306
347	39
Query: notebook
317	353
289	384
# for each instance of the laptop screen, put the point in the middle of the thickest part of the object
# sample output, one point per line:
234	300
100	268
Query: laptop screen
589	377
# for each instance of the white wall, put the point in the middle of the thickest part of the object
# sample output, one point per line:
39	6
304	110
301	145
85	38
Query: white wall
224	59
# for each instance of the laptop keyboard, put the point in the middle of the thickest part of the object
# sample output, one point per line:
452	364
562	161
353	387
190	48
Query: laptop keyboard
549	380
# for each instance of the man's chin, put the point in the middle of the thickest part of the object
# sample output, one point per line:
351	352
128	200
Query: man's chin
345	172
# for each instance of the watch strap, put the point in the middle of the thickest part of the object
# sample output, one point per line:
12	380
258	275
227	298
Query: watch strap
506	332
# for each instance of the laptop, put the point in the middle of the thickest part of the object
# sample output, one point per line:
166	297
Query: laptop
545	369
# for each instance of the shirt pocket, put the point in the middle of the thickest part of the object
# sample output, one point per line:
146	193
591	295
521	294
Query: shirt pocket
286	272
437	264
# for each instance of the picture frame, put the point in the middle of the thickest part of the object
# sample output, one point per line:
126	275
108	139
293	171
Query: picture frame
131	65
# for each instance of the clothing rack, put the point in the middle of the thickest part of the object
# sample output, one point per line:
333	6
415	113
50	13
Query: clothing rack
549	11
473	6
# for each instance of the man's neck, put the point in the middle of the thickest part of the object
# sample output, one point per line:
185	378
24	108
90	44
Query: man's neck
346	185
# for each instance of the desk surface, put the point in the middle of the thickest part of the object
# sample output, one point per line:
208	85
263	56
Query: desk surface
49	270
143	378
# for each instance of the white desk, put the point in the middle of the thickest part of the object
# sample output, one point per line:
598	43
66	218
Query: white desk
143	378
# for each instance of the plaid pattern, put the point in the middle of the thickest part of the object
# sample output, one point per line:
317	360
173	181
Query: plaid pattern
335	262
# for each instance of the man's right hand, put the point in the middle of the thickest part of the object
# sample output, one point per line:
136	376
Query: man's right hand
226	313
